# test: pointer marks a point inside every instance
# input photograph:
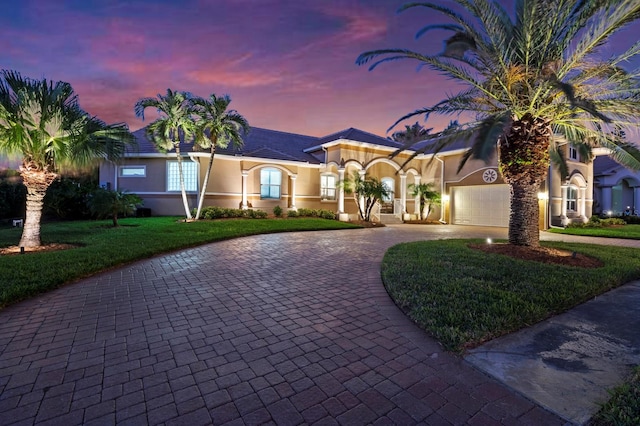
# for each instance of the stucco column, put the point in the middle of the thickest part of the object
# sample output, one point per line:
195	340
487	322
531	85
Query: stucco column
605	202
244	189
563	207
582	203
403	191
416	209
636	200
293	192
341	190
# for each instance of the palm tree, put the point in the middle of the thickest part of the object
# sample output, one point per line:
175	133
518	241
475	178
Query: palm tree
222	126
533	80
176	121
411	134
367	191
42	122
107	203
427	197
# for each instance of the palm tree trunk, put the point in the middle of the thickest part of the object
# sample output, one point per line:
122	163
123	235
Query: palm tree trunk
36	182
185	202
523	157
524	215
205	183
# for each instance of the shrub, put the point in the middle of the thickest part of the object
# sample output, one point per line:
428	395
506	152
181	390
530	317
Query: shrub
327	214
596	222
214	212
256	214
277	211
613	221
68	198
292	213
13	197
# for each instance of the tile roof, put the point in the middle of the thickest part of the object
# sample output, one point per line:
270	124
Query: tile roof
277	145
260	143
605	165
358	136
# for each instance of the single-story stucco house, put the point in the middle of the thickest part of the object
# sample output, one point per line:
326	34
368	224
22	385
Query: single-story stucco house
276	168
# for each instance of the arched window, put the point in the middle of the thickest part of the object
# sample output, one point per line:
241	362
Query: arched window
270	181
328	183
390	184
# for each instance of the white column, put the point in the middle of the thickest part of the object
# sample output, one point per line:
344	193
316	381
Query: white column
244	190
341	190
403	191
582	203
362	174
563	206
636	199
416	210
293	192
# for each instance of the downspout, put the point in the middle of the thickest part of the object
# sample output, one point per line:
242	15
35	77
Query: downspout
115	177
442	208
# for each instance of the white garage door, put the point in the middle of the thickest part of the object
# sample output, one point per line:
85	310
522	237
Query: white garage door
486	205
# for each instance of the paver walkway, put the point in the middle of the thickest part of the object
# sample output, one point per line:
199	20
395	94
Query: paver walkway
273	329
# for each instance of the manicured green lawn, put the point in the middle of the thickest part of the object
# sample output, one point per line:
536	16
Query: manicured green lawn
465	297
624	231
102	247
623	409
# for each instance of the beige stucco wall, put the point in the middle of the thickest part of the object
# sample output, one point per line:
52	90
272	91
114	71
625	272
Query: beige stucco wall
225	185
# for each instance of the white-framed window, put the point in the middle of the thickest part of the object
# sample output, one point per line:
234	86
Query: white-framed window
572	198
190	173
270	181
133	171
390	184
328	183
573	153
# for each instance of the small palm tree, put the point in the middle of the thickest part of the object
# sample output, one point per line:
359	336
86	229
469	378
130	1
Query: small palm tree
534	80
41	121
106	203
367	191
427	196
222	127
176	121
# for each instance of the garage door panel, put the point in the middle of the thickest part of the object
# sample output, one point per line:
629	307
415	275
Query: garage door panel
483	205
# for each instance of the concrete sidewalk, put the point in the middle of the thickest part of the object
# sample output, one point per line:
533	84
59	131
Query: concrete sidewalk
567	363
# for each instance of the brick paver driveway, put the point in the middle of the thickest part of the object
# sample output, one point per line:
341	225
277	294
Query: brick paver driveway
281	329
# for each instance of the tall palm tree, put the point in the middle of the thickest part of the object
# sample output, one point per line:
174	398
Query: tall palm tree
533	80
176	122
222	127
42	122
411	134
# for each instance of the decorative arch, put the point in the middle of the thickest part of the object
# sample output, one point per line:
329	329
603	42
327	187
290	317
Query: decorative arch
383	160
269	165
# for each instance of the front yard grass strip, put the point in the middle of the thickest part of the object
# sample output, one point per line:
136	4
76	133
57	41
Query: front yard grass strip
623	409
464	297
101	246
625	231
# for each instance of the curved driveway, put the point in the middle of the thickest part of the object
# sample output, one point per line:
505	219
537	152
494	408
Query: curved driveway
282	328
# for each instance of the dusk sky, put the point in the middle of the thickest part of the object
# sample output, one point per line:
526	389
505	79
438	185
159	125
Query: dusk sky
288	65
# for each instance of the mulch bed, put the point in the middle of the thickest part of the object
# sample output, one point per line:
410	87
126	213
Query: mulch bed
540	254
